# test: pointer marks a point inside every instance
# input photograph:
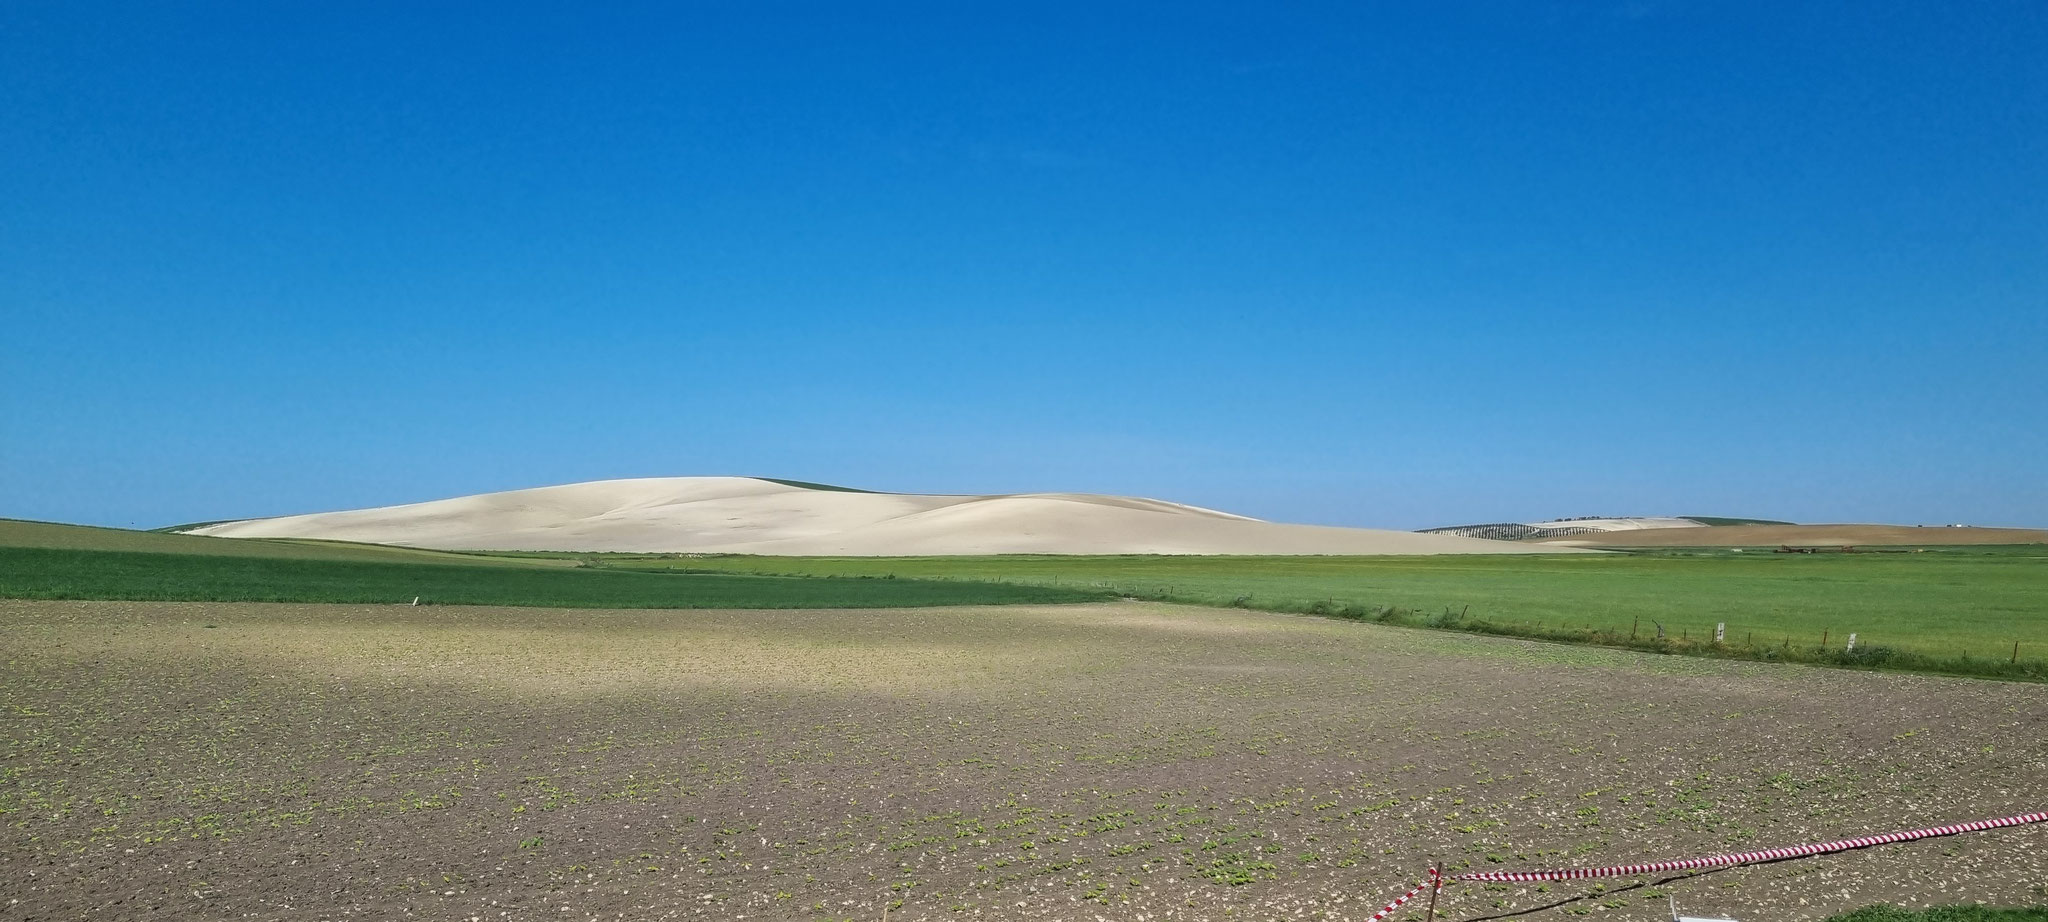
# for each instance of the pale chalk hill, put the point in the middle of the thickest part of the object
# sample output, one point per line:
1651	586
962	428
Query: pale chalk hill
745	515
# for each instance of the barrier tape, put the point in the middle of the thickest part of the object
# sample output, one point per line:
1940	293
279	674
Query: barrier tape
1769	854
1405	897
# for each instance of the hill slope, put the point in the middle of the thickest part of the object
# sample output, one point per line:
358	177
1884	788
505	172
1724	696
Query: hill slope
745	515
18	533
1560	528
1802	536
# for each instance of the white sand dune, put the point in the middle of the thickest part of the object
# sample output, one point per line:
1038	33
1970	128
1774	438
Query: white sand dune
743	515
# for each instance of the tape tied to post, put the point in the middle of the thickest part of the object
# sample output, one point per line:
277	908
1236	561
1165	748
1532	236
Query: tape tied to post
1768	854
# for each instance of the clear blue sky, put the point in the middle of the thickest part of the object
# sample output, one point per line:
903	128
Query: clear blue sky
1357	264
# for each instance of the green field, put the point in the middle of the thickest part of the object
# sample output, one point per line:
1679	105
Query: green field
64	573
19	533
1964	913
1956	610
1979	611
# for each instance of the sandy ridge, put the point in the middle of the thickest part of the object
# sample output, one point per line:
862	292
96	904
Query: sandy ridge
750	516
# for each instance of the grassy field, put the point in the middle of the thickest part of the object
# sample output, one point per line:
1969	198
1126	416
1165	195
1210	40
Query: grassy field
19	533
1980	611
1957	610
61	573
1963	913
180	760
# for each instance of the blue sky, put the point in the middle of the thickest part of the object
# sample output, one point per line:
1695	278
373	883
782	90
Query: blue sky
1358	264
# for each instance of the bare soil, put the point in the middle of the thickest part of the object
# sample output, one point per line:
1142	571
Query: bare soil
1139	761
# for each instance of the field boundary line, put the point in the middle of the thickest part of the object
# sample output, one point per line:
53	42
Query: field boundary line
1405	897
1768	854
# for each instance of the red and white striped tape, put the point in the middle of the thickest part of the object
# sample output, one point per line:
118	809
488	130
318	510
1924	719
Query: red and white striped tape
1405	897
1769	854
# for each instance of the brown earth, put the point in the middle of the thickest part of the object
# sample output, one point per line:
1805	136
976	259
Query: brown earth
1803	536
1133	761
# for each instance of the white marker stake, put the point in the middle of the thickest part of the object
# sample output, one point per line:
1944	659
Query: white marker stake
1720	631
1851	648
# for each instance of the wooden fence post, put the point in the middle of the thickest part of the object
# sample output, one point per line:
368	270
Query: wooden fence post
1436	882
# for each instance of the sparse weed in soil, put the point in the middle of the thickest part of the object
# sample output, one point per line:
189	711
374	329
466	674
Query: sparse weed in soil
1128	761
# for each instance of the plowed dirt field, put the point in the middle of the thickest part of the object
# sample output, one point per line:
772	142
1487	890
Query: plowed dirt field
1121	761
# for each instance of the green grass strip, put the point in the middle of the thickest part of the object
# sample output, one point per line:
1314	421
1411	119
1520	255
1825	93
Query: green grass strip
1978	612
60	573
1945	914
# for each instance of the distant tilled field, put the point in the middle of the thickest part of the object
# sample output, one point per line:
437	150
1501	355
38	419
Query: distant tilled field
1129	761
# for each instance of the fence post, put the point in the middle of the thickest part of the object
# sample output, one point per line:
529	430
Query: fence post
1436	882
